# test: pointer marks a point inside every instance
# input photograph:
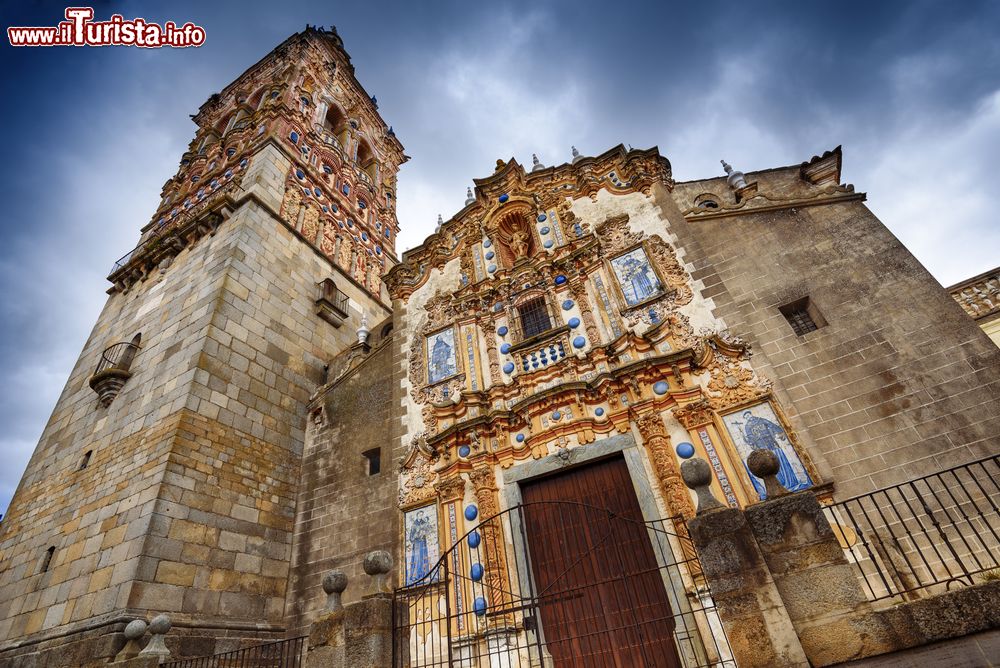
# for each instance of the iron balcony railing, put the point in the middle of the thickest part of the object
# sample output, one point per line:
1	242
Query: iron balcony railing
118	356
281	654
332	295
926	535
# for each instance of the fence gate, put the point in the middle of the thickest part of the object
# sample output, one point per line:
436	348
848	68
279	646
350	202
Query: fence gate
561	584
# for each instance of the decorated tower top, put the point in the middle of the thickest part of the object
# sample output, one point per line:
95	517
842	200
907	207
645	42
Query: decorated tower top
304	99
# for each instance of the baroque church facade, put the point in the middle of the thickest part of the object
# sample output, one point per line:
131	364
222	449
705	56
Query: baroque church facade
271	391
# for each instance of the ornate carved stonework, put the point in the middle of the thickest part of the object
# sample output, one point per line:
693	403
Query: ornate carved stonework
657	442
694	414
493	545
616	235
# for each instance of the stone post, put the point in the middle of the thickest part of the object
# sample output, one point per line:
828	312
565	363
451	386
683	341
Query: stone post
820	592
368	623
326	634
755	620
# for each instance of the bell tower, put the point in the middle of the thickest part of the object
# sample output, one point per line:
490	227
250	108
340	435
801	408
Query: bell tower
166	479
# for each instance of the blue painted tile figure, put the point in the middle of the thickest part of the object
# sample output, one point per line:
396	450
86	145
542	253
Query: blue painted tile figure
636	277
421	543
441	362
757	429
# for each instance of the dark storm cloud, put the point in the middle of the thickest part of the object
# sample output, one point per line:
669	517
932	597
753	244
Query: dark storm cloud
912	91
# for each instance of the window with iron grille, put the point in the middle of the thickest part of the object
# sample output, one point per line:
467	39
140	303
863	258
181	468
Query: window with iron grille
534	317
803	316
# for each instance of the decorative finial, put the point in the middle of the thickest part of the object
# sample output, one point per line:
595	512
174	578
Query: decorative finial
697	475
363	330
576	154
736	178
765	465
334	584
469	197
156	647
378	564
440	223
536	165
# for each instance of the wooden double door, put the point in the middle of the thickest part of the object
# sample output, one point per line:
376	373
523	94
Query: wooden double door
598	589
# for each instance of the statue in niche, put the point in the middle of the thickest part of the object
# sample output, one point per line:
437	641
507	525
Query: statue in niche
519	243
513	234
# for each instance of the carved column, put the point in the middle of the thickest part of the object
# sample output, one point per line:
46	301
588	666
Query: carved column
657	443
451	488
492	547
489	327
579	292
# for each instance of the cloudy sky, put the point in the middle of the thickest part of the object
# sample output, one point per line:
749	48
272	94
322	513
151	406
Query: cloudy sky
910	89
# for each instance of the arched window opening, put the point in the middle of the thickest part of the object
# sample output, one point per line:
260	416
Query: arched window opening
335	122
366	158
47	559
85	462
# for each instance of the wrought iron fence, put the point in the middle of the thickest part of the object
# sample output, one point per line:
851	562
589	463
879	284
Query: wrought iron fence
280	654
926	535
486	602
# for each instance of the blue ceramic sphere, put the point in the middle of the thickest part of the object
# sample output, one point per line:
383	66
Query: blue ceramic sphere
685	450
544	230
599	412
504	198
505	348
474	539
464	451
487	243
556	415
541	218
502	330
471	512
567	305
497	307
579	342
300	174
476	572
519	438
660	387
479	606
508	368
574	322
560	279
490	255
548	243
491	268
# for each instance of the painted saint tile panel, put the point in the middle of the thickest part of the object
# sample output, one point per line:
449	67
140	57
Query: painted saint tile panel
442	360
636	277
758	428
421	548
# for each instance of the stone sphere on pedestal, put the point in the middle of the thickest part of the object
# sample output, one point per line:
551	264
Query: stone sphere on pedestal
377	563
135	629
335	582
160	625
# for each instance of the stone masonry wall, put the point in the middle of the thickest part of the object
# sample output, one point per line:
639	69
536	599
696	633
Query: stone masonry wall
900	382
344	512
187	503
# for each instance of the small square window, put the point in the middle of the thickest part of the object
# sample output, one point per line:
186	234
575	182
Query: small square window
803	316
373	460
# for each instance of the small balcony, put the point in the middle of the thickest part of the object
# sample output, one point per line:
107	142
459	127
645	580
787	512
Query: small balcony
113	370
543	350
331	304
